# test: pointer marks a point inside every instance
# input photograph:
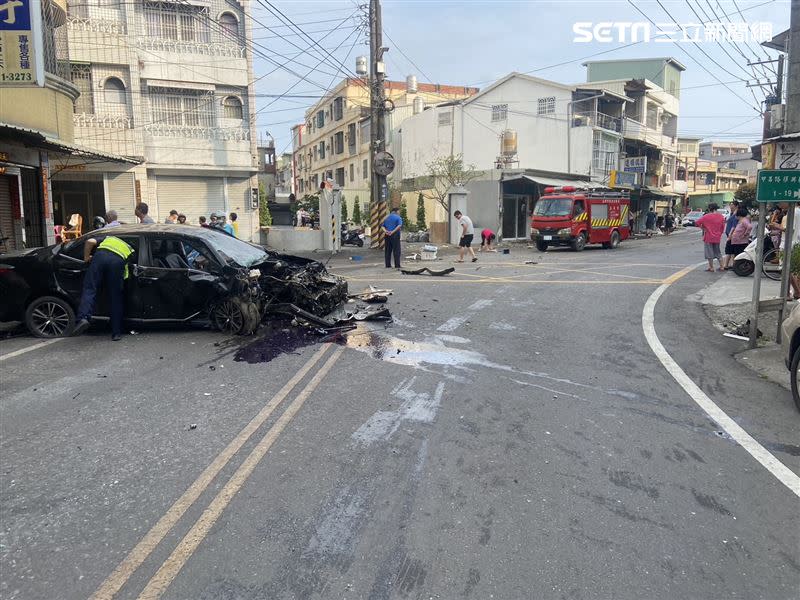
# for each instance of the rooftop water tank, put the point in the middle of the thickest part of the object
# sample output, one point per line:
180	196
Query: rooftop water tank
411	84
419	105
508	143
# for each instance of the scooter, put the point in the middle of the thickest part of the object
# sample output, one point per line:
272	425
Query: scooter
744	263
353	237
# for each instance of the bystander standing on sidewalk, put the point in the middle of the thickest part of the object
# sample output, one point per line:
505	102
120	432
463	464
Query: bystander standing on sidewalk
467	233
731	220
713	225
650	222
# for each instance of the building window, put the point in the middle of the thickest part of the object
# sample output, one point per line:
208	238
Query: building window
605	153
364	133
352	172
499	112
321	150
180	22
181	107
230	26
81	77
731	165
321	119
338	109
114	91
232	108
364	169
351	138
546	106
445	118
338	140
340	176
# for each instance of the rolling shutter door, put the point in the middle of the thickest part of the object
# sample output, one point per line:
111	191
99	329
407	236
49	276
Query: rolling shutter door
7	214
192	196
122	195
239	202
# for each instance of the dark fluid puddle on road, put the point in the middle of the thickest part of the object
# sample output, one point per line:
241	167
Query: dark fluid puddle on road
278	338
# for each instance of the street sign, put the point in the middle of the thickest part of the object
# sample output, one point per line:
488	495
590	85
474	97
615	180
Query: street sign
21	46
635	164
778	186
787	156
384	163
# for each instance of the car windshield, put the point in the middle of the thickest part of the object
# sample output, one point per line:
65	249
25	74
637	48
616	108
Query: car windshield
236	251
695	213
553	207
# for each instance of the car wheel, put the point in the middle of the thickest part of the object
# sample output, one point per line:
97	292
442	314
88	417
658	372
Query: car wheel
744	267
579	243
252	318
229	316
794	374
50	317
541	246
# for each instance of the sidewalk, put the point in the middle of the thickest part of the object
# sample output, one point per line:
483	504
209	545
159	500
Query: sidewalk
727	303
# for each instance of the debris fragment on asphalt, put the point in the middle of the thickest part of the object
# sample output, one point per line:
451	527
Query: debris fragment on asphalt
424	270
193	426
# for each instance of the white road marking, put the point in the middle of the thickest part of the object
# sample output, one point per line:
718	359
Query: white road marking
41	344
781	472
454	323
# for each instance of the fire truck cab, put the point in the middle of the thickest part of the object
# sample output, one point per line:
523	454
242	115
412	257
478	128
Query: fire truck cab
570	216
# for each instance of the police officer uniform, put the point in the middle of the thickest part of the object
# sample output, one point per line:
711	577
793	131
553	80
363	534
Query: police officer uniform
109	269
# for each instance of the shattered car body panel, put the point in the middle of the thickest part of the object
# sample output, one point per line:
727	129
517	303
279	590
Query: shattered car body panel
177	274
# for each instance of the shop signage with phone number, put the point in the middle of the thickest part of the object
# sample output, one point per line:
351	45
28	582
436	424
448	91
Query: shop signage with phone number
18	42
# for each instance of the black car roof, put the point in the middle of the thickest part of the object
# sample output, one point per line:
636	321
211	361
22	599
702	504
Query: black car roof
159	228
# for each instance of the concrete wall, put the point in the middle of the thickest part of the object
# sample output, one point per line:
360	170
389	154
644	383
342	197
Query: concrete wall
290	239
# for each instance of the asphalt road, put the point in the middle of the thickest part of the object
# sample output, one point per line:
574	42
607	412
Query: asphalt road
511	435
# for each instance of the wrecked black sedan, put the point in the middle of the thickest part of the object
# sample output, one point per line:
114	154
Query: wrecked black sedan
178	274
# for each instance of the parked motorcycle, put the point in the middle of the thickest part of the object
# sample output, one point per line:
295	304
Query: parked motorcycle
744	263
353	237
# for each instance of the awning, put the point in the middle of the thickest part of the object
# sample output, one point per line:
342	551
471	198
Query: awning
36	139
657	192
546	181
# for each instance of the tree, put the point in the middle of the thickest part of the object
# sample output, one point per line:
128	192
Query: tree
746	195
407	225
448	172
264	215
357	212
310	202
421	225
344	210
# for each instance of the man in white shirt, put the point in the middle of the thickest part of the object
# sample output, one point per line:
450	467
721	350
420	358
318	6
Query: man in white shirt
467	233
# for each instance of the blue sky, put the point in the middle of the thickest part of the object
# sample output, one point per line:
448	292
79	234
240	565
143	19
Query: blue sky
475	42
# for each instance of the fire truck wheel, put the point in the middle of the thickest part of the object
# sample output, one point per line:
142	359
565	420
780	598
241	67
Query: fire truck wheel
541	246
579	243
613	242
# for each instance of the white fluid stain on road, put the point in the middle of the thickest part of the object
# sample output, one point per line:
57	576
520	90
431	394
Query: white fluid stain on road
416	406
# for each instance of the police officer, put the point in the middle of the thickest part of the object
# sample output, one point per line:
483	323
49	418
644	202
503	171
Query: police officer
108	268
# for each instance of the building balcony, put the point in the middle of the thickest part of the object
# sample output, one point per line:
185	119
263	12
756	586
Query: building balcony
633	130
113	135
597	119
184	47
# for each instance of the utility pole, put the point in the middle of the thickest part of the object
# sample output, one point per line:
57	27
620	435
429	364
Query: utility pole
791	125
377	134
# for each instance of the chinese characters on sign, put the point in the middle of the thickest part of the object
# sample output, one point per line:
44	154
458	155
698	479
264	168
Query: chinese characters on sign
778	186
18	42
635	164
626	32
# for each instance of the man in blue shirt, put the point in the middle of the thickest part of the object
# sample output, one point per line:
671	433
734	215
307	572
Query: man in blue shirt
391	240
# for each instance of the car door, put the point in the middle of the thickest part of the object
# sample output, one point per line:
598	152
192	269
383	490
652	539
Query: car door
70	271
172	283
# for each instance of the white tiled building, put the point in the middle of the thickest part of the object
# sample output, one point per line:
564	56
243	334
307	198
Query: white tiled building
167	82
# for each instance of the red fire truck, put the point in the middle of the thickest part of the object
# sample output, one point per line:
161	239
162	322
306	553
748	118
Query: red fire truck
571	216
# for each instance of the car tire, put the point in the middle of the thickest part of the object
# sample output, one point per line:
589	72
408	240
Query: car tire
230	316
541	246
252	318
50	317
793	375
743	267
579	243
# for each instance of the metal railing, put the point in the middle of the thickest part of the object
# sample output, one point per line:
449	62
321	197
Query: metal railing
204	48
102	122
223	134
596	119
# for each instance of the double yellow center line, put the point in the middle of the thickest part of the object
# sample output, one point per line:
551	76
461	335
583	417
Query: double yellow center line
172	566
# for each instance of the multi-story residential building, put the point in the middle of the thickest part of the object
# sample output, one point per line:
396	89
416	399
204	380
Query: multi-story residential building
171	84
558	132
334	141
651	120
284	181
267	167
732	155
36	129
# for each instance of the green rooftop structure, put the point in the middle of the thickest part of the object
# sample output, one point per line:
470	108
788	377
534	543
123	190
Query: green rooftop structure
664	72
